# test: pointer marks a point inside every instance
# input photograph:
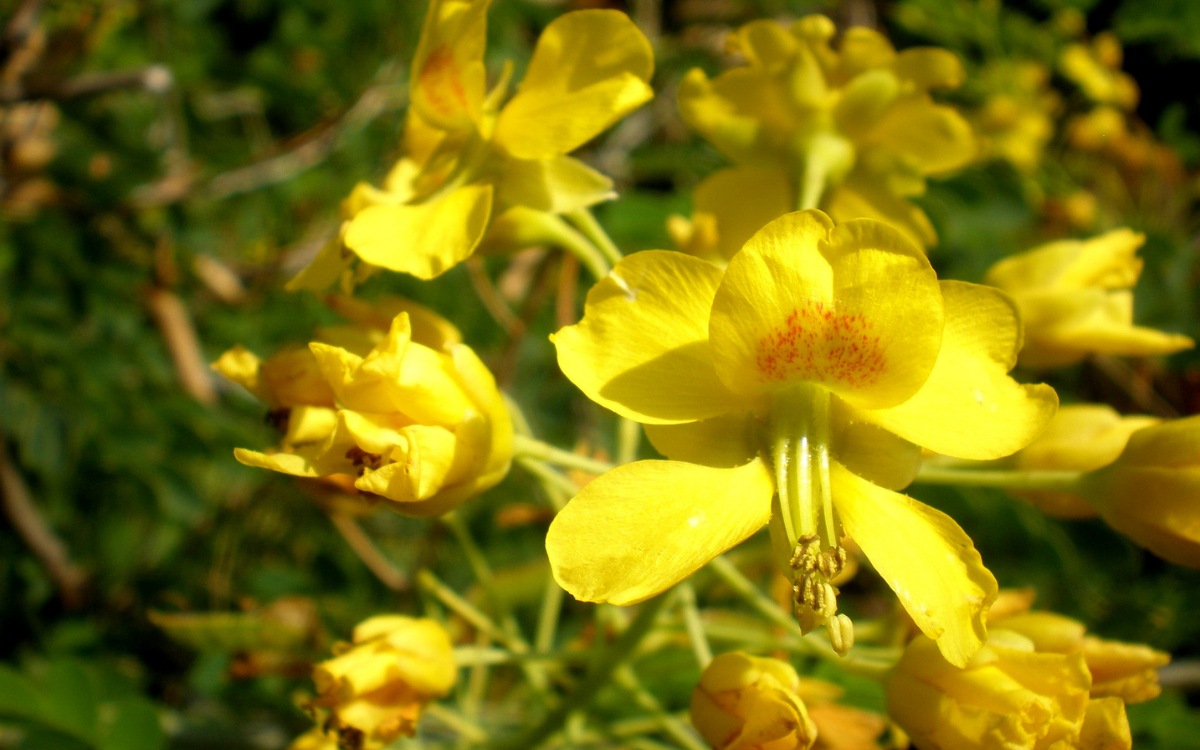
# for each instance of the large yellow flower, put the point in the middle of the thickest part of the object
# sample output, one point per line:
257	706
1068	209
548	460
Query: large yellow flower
468	159
809	371
1076	299
417	419
853	131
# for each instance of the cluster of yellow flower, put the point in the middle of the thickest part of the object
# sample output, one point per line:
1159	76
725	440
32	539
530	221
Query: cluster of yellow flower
795	368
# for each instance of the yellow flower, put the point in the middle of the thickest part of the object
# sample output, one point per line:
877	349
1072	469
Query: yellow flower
1017	120
1150	492
1119	670
470	157
804	375
373	690
423	427
1075	298
750	703
1009	697
1081	437
853	131
314	739
1097	70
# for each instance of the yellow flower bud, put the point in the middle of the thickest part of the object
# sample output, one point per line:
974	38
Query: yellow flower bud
1008	696
1150	492
374	689
751	703
1081	437
425	428
1123	670
1096	70
1075	300
288	378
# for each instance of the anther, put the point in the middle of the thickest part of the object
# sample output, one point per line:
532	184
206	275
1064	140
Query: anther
841	634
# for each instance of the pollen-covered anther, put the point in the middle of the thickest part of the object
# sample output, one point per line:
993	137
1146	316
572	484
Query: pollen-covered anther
360	457
841	634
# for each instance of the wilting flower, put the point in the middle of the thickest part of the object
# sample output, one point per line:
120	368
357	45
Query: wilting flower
1081	437
1151	492
1017	119
750	703
470	157
1097	71
373	690
1075	298
804	375
1128	671
852	131
417	419
1009	697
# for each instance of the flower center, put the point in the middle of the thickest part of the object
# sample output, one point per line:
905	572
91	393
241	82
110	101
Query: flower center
800	442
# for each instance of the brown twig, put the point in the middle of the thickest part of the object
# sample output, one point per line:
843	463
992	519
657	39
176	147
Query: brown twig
312	150
490	297
384	570
175	324
1138	387
568	286
37	534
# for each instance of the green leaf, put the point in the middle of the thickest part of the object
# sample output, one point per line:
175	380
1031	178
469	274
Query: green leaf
135	726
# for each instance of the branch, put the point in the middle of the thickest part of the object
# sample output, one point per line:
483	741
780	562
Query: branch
37	534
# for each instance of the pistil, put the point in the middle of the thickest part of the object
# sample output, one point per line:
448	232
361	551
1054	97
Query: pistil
800	442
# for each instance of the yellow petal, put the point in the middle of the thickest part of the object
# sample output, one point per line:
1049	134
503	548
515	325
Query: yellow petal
241	366
423	461
558	185
745	112
642	346
854	308
863	196
934	138
925	557
743	200
428	328
447	71
643	527
1105	726
722	442
863	49
424	240
324	270
590	68
1109	261
929	67
871	452
969	407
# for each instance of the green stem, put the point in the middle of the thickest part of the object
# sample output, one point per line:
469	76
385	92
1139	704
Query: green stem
629	438
552	601
583	249
595	233
599	674
694	625
533	448
628	679
876	666
1061	481
559	488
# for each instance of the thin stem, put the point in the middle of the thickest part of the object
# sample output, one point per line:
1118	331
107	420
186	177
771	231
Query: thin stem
598	675
534	448
595	233
582	248
629	438
464	609
1062	481
695	627
869	667
547	627
628	679
559	488
376	561
465	728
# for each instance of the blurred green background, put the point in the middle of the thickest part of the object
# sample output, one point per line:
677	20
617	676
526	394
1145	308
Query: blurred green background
167	166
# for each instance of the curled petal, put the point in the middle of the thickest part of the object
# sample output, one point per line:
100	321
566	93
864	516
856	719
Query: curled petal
925	557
